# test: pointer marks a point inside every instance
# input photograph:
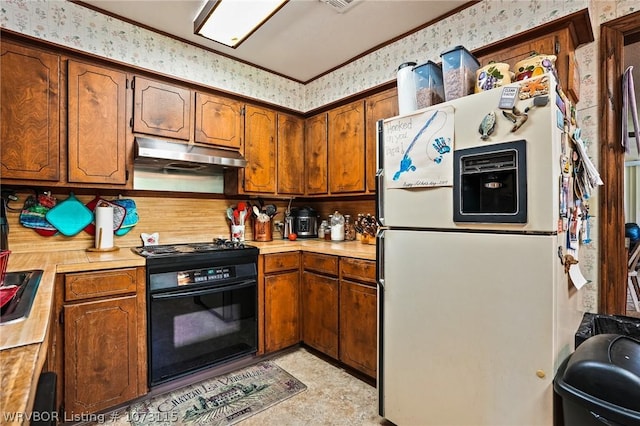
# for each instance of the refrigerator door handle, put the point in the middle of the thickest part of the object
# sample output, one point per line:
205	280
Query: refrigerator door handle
380	173
380	197
380	258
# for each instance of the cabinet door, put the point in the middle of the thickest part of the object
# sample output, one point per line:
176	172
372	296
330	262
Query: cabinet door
290	154
218	121
379	106
260	150
358	326
282	313
315	155
320	313
30	113
161	109
97	124
557	43
346	148
101	355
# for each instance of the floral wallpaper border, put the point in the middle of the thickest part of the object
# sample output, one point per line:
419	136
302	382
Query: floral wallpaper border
83	29
80	28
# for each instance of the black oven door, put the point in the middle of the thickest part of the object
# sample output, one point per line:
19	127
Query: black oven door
191	329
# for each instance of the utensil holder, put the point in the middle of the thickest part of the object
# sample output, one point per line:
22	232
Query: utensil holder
262	231
237	233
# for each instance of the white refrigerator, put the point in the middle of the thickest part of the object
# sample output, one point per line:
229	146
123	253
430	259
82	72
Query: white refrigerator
475	309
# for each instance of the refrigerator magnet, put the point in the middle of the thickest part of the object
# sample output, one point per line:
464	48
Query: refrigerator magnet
560	120
508	97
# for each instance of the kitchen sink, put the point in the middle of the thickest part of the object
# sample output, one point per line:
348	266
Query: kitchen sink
20	306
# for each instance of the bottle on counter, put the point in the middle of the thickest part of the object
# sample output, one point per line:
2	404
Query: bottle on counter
349	229
337	227
327	229
322	228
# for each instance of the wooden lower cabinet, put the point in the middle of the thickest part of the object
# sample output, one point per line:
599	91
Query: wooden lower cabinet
320	296
358	326
282	301
99	354
320	313
340	309
98	344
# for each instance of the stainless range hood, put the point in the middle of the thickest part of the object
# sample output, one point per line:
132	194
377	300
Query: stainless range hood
161	155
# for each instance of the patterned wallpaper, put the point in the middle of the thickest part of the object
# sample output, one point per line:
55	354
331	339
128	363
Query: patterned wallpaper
83	29
488	21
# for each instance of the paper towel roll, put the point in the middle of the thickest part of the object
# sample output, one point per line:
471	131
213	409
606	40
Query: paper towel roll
104	227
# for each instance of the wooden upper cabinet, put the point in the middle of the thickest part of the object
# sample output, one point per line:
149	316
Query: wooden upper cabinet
290	154
30	113
560	37
315	155
346	141
260	150
218	121
379	106
161	109
96	124
545	45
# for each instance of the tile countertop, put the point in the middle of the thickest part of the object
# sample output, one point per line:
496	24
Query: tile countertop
338	248
23	344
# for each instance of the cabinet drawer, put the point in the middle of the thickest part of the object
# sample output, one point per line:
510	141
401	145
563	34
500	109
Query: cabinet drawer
323	263
86	285
281	262
358	269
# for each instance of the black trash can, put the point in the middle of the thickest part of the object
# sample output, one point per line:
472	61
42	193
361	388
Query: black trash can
594	324
600	382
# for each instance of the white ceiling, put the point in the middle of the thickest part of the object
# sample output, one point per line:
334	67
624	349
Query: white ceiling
303	40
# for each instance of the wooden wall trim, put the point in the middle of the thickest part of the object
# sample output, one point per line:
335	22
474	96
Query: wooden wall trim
613	270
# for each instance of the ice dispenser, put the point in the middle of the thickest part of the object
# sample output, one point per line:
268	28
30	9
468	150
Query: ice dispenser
490	183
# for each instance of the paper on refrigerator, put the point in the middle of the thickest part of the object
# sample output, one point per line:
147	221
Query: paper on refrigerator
418	149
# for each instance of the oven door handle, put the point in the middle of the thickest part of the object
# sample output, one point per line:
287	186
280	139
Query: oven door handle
203	291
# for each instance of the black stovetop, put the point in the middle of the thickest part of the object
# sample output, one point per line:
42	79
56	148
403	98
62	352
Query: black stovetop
216	245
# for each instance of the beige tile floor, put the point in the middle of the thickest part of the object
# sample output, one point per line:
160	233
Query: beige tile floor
333	397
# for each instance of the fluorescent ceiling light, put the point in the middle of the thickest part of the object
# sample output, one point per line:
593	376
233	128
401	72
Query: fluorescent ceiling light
230	22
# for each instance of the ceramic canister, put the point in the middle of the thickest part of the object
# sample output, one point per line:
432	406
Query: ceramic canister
534	65
493	75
